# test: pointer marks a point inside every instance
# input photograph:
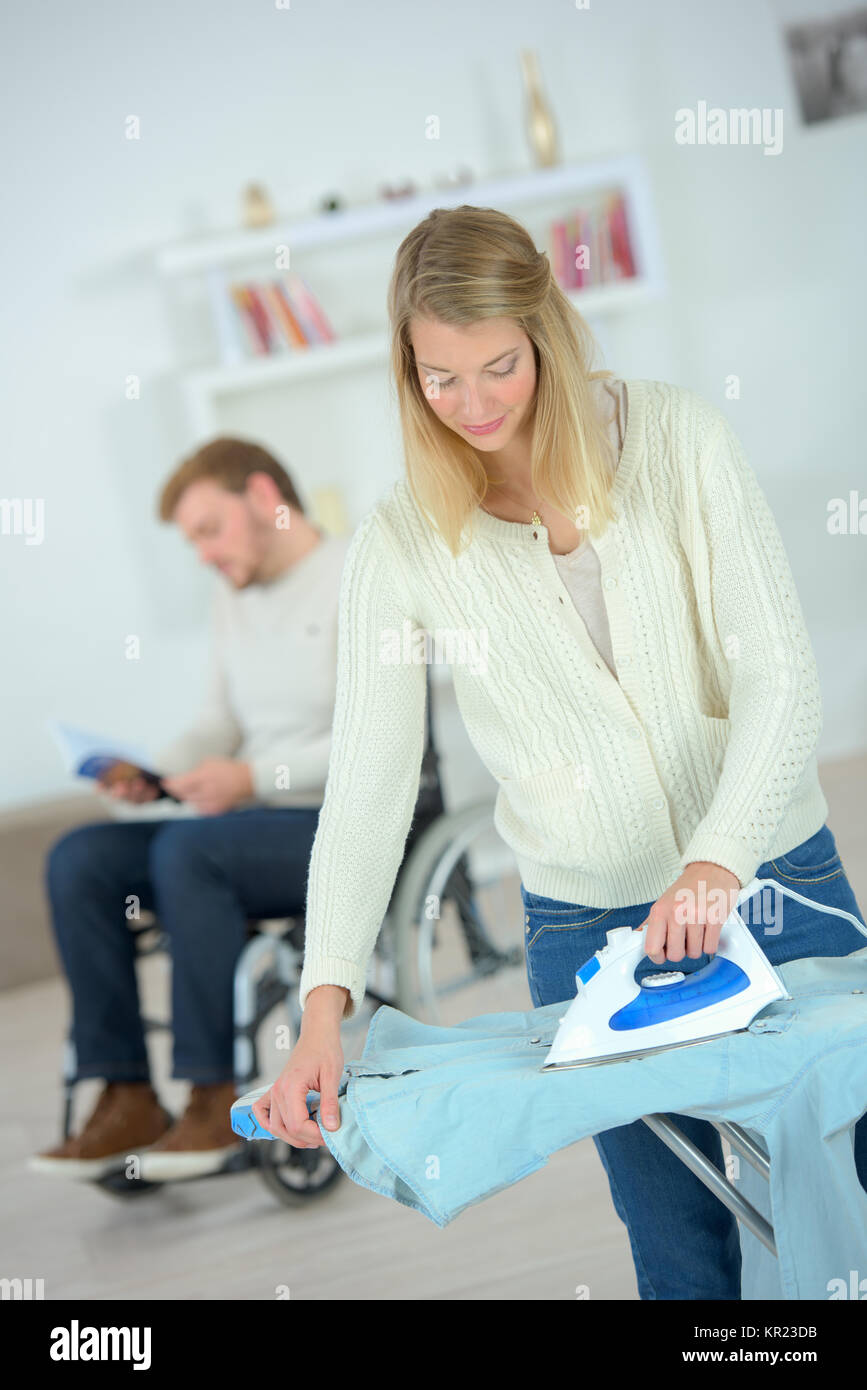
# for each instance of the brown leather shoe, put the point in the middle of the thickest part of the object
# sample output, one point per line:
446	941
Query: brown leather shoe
126	1118
200	1142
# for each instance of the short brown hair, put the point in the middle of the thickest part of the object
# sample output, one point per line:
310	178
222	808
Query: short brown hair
229	462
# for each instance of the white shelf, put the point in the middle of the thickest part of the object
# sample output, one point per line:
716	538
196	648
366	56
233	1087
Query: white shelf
317	360
375	219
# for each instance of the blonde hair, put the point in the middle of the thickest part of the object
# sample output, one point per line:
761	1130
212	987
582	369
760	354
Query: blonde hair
461	265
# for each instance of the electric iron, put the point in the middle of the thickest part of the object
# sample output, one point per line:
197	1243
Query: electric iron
613	1017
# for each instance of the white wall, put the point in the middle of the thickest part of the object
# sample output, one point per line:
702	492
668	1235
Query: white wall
764	257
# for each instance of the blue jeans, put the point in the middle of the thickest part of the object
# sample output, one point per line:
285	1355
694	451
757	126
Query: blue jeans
684	1241
204	878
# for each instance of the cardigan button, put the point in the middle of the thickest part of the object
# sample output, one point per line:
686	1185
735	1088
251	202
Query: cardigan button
658	803
611	583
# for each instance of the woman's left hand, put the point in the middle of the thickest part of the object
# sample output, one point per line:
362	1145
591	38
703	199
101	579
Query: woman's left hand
689	917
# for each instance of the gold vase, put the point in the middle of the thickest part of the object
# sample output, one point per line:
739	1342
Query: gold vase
540	122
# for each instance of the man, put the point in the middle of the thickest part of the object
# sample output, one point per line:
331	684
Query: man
250	775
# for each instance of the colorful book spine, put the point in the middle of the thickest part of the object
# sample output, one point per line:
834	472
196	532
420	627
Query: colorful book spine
559	243
249	325
259	315
271	317
301	311
620	238
594	241
283	315
580	272
607	268
573	274
281	339
307	308
603	229
284	337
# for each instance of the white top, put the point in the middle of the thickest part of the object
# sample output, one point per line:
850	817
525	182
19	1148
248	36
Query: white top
579	568
273	673
703	750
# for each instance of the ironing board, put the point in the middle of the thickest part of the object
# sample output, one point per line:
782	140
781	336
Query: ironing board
472	1102
710	1175
439	1118
737	1137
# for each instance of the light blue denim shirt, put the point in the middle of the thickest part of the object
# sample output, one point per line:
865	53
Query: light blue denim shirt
441	1118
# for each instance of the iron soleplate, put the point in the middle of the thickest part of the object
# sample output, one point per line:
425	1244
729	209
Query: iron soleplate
639	1052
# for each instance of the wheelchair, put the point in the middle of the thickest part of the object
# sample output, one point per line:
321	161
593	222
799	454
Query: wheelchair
446	951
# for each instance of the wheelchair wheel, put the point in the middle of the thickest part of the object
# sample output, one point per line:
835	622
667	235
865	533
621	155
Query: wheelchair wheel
294	1175
117	1185
457	920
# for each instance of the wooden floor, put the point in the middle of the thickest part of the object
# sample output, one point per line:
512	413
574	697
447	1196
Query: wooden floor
229	1238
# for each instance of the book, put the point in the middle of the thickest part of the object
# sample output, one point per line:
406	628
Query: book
303	296
250	328
94	756
620	238
267	318
284	311
559	251
580	275
603	228
258	313
300	306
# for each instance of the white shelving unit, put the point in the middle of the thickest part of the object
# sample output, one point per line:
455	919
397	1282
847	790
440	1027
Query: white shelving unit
540	194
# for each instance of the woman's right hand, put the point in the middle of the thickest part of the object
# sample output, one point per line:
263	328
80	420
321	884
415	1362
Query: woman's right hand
315	1064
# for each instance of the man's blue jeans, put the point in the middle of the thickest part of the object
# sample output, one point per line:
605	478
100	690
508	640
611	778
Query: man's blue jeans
204	878
684	1241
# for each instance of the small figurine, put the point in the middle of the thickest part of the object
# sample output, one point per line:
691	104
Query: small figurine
257	208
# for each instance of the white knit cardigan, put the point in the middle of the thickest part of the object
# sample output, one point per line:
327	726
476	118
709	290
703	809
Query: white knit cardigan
702	750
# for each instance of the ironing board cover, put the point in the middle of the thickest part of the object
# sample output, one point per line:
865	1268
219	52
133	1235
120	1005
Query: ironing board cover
441	1118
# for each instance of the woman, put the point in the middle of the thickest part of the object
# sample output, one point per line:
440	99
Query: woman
648	699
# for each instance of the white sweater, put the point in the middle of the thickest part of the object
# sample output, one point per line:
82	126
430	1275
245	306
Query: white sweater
703	750
271	688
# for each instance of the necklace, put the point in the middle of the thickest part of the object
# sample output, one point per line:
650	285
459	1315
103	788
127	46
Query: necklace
535	518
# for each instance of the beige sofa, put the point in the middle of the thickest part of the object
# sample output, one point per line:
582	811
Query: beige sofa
27	950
